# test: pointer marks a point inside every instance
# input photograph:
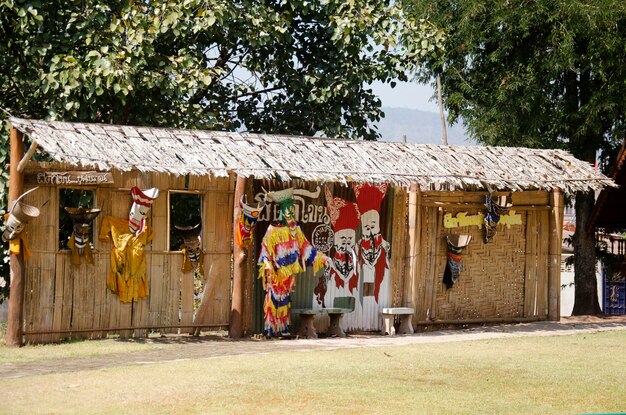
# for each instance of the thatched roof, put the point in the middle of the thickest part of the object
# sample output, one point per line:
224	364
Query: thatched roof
263	156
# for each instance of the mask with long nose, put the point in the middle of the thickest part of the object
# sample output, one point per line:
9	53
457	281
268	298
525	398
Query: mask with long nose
142	201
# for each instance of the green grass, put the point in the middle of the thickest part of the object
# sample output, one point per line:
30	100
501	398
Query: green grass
581	373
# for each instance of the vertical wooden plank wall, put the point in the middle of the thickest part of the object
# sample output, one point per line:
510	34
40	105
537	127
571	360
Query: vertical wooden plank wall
399	244
61	297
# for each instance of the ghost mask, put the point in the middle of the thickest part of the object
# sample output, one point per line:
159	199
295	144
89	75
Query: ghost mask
142	201
19	216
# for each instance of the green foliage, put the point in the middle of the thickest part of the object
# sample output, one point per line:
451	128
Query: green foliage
546	74
279	66
538	74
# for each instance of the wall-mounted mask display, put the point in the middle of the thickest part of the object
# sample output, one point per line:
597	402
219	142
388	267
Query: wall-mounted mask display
192	246
79	242
454	264
495	208
247	221
18	217
142	201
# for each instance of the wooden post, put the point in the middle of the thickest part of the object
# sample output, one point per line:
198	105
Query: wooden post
415	228
239	268
555	247
16	294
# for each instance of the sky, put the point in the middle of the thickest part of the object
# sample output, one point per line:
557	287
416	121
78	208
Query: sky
406	95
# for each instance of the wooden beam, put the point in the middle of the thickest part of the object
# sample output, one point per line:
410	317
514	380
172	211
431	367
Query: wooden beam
555	248
24	161
239	268
16	294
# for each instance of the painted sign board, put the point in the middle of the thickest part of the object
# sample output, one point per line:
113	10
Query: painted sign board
68	178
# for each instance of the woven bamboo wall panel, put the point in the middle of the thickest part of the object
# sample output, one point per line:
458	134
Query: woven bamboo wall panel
491	284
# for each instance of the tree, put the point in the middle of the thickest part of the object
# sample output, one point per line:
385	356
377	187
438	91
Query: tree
539	74
291	66
269	66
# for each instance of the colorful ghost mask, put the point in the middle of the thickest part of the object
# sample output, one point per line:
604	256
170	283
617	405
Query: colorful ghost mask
192	246
79	241
247	221
494	211
284	198
142	201
454	264
18	217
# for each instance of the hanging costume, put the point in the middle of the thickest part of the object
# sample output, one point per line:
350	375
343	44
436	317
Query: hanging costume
454	263
285	252
127	273
247	222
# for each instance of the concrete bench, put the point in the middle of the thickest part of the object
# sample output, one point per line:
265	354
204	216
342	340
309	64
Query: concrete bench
307	316
341	306
389	315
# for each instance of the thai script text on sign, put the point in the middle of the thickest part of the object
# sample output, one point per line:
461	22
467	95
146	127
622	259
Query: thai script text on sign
71	178
463	219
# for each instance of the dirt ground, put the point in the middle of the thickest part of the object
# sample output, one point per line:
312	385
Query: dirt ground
175	348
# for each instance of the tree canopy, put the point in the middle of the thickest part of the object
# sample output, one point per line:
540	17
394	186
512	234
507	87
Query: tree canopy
277	66
546	74
290	66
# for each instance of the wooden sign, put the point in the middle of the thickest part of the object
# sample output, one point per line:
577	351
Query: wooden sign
68	178
463	219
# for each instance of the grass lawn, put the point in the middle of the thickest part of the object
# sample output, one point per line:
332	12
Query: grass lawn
573	374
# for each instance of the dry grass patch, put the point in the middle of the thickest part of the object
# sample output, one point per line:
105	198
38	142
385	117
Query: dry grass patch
532	375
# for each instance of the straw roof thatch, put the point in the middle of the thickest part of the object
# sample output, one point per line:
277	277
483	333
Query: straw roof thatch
265	156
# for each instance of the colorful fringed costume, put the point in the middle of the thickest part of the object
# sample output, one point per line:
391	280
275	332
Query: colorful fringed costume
127	274
284	253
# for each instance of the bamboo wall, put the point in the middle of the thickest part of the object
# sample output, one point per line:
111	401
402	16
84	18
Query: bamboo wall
511	278
74	301
507	279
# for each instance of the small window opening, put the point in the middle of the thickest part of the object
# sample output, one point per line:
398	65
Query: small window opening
72	198
185	216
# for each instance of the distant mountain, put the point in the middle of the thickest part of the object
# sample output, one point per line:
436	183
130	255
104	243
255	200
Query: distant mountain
419	127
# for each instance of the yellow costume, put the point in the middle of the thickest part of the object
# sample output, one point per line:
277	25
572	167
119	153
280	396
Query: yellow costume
14	246
188	264
75	255
127	276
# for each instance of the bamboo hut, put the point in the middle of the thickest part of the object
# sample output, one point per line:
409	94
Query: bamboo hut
425	194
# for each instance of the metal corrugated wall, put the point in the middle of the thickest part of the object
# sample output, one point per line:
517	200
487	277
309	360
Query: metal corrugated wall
311	212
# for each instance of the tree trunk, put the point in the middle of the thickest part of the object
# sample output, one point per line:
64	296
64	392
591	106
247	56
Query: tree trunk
585	282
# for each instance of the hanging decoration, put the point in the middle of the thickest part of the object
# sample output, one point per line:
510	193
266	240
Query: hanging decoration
18	217
127	272
285	252
79	242
191	247
454	264
247	221
345	218
495	209
142	201
374	252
